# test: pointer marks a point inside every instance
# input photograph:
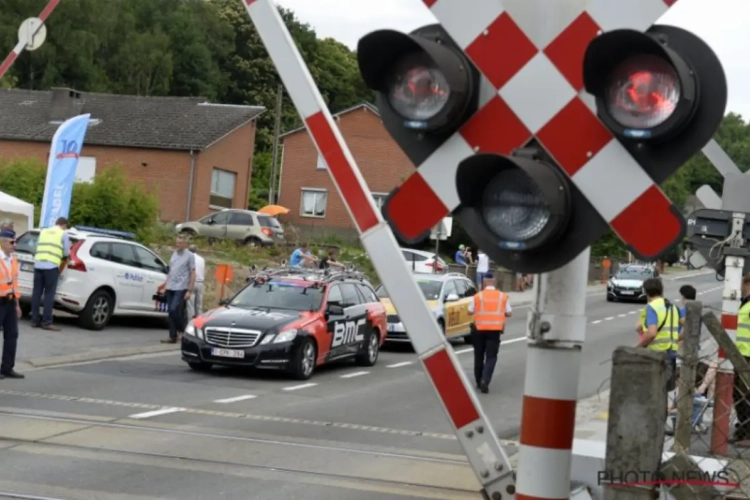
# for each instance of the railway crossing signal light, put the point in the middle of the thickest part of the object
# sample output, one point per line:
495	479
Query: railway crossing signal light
523	211
708	232
661	92
426	88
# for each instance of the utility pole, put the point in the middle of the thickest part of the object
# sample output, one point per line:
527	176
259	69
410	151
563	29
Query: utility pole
275	154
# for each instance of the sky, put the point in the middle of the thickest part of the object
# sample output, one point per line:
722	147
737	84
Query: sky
723	24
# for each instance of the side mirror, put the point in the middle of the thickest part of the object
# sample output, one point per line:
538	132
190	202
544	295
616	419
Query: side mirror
166	269
253	267
224	302
451	297
335	310
283	262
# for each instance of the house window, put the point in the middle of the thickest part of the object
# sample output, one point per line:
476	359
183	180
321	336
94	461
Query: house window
379	199
313	203
322	163
222	188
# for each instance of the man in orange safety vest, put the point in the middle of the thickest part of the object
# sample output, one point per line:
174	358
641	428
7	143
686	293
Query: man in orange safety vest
490	309
10	309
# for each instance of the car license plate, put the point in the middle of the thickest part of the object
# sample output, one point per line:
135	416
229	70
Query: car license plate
27	267
627	292
227	353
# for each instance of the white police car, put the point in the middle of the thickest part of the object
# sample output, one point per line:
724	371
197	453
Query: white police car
107	275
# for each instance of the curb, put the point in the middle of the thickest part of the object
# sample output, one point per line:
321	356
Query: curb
99	354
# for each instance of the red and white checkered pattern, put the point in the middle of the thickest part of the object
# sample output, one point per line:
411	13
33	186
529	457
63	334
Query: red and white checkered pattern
536	70
438	359
11	58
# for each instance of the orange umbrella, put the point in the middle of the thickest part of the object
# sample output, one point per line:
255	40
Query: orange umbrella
273	210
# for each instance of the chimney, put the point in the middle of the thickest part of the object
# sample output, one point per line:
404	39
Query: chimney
63	103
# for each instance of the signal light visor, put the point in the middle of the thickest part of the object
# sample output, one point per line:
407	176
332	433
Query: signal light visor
521	202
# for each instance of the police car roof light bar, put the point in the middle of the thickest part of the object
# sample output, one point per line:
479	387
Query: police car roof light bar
462	407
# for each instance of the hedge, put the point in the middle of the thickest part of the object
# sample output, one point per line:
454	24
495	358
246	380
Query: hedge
110	201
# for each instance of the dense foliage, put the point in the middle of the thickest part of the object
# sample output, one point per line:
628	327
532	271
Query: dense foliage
109	201
180	48
210	48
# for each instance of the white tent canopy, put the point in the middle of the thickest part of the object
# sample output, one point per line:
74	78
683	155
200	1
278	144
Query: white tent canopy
19	211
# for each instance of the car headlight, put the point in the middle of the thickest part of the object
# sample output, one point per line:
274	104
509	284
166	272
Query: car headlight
285	336
192	330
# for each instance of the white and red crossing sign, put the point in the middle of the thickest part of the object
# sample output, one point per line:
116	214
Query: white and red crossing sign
25	40
530	53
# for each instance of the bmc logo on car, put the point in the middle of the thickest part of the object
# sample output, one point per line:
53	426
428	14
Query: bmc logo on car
348	332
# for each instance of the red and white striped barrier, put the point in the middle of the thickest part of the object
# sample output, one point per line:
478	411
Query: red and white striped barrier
724	400
473	429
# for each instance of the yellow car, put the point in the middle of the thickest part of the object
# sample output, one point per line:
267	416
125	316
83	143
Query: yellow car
448	295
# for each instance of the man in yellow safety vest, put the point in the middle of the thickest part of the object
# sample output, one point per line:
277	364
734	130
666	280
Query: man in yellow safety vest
659	325
52	252
740	392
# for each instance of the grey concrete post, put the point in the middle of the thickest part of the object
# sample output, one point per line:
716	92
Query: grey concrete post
635	432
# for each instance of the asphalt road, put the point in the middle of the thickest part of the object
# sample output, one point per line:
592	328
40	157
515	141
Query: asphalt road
147	427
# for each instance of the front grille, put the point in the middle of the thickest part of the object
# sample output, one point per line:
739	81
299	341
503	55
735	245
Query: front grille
393	318
232	337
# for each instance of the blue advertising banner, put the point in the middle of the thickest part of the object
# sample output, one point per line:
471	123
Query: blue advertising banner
61	169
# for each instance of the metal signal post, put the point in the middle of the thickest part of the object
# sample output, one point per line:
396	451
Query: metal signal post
473	429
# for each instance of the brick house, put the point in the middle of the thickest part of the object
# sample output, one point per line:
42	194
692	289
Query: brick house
195	156
305	185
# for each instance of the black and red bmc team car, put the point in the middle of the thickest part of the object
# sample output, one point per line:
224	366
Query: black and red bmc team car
293	320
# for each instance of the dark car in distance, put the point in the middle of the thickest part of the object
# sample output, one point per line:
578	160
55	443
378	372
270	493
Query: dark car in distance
293	320
627	283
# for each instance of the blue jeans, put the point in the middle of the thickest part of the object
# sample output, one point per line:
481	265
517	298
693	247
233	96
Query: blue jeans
175	306
480	279
45	285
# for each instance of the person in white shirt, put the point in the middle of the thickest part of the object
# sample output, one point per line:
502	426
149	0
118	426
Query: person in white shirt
195	302
483	267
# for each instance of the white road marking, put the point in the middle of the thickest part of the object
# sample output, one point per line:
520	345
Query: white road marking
355	374
596	322
621	315
502	343
236	399
464	351
156	413
633	312
297	387
609	319
397	365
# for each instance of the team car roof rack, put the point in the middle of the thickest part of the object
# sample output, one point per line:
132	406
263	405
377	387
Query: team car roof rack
312	275
106	232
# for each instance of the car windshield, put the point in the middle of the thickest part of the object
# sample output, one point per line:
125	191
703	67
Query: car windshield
27	242
430	289
289	295
633	274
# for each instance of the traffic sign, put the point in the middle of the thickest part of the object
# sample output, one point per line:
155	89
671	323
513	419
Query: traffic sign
538	94
32	33
443	230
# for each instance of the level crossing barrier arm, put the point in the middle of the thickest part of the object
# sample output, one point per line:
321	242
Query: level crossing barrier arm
22	42
473	429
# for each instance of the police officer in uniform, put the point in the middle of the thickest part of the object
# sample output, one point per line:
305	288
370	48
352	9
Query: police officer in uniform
490	308
659	326
740	392
10	310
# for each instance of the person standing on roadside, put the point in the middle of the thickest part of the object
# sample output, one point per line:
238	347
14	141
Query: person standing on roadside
195	304
483	267
490	308
10	310
50	260
659	326
179	288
